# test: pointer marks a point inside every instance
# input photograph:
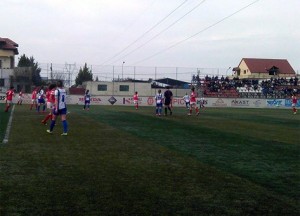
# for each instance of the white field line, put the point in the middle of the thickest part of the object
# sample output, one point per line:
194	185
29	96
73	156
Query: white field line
5	140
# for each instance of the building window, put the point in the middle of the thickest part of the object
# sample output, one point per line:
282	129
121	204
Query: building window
244	71
102	87
2	82
124	87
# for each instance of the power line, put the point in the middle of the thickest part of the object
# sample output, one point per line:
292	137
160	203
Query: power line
158	23
138	18
148	41
194	35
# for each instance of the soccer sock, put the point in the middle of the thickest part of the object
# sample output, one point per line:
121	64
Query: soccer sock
38	108
156	110
44	107
52	125
84	106
294	109
166	110
31	106
47	118
169	109
197	109
65	126
191	111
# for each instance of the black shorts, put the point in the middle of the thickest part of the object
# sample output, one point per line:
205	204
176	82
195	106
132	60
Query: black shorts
167	102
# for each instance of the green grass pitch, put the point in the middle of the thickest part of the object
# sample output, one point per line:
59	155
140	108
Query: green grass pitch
120	161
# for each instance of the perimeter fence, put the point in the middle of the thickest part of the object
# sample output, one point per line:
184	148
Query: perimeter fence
69	72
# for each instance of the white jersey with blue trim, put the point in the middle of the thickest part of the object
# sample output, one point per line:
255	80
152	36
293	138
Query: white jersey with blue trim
60	95
159	98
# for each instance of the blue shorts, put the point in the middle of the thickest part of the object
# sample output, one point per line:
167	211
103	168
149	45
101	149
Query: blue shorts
60	111
159	105
41	101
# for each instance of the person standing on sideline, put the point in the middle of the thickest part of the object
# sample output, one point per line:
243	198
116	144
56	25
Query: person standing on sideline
159	103
186	99
9	97
20	98
168	96
294	103
50	97
60	108
193	102
87	100
136	100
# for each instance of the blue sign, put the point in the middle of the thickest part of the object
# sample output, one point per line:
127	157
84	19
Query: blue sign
288	103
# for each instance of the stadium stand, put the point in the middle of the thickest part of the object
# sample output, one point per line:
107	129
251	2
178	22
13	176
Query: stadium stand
247	88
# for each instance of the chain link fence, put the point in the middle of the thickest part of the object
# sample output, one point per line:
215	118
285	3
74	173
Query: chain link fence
69	72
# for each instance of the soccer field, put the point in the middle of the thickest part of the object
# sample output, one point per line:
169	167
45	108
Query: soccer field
120	161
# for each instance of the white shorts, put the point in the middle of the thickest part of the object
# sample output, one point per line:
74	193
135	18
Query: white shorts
293	105
135	101
49	105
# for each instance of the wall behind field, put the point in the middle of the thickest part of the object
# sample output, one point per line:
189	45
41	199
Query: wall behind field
177	101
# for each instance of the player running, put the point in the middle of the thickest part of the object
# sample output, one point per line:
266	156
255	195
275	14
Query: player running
294	103
20	98
9	97
33	99
159	103
87	100
193	102
60	108
186	99
136	100
50	97
41	99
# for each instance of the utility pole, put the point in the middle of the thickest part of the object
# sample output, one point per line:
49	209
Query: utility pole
70	68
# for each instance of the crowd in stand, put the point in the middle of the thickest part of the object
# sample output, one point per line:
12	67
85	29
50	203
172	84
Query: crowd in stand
274	87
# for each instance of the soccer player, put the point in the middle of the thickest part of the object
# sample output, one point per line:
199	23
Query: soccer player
50	97
202	103
136	100
20	98
87	100
193	102
186	99
159	103
168	95
41	99
33	99
9	97
294	103
60	108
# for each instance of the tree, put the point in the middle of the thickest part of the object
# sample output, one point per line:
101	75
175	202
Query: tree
24	61
85	74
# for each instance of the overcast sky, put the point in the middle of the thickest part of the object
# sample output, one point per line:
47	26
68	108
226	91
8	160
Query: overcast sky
175	33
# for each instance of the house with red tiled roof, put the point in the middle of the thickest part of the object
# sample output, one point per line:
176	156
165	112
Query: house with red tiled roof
264	68
8	50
